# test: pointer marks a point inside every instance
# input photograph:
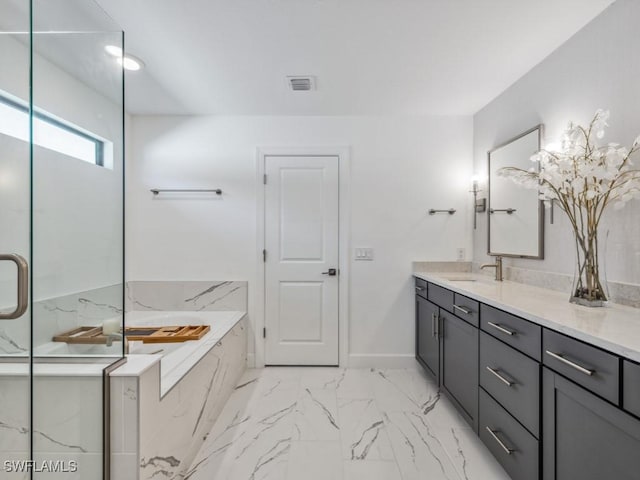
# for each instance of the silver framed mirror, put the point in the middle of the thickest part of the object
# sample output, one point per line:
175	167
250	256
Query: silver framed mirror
515	214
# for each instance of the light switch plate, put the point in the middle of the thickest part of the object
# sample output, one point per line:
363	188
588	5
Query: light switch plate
363	254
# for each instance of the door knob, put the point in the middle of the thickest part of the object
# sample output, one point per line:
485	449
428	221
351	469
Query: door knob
332	272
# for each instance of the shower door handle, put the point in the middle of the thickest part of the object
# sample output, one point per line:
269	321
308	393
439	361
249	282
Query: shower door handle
23	285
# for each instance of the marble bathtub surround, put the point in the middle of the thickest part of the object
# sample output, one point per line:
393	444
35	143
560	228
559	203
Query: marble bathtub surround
615	328
93	307
186	295
289	423
55	315
157	435
14	338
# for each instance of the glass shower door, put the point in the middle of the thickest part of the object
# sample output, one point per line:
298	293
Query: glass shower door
15	331
61	210
77	244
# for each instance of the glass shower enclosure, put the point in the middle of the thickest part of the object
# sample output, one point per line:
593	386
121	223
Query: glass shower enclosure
61	236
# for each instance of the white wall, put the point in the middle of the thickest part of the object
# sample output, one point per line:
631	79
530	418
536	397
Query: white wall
597	68
400	167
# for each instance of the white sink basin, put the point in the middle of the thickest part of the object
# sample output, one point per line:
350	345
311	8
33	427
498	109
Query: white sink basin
469	278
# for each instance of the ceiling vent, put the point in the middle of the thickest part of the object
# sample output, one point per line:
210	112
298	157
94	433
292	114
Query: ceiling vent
302	83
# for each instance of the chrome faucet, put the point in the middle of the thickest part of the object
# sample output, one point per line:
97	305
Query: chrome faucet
497	266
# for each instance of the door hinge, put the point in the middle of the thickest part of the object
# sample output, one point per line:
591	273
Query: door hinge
264	179
264	333
264	256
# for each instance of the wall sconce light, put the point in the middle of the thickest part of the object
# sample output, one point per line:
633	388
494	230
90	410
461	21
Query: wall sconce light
479	204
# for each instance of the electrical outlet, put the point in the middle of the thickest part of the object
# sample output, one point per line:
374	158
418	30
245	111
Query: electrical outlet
364	254
460	255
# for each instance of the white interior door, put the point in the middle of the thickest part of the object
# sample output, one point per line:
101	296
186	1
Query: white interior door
301	242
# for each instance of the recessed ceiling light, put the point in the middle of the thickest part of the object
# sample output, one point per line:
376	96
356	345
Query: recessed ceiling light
127	61
113	50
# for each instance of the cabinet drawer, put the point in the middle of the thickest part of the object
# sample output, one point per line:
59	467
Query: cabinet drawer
467	309
421	287
513	379
440	296
517	332
588	366
631	387
515	448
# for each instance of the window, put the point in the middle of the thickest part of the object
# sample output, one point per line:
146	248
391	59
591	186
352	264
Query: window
49	132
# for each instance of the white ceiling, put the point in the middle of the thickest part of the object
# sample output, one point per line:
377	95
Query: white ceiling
370	57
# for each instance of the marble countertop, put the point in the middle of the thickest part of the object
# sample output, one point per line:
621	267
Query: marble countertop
615	328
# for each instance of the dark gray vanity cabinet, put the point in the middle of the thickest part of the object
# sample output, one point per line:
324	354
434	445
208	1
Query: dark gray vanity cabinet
547	405
584	436
447	345
427	341
460	364
631	383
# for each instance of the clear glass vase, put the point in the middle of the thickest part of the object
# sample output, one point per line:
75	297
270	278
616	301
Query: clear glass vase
589	286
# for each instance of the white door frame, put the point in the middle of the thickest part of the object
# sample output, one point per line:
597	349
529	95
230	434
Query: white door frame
343	249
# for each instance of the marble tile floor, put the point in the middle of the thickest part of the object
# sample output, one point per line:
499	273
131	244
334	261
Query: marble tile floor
307	423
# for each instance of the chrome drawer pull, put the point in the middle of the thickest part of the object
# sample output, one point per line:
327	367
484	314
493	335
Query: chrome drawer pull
501	328
463	309
508	450
435	323
434	316
500	377
580	368
420	289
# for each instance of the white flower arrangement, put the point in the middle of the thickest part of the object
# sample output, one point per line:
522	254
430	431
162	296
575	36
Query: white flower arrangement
584	178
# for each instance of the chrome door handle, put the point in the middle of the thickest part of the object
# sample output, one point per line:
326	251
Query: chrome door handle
580	368
463	309
493	433
332	272
508	383
501	328
23	285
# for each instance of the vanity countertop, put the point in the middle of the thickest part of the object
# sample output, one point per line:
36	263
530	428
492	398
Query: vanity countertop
615	328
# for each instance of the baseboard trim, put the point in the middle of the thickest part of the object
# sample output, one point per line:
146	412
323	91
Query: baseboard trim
357	360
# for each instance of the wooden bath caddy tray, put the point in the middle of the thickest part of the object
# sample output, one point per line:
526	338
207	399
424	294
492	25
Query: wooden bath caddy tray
170	334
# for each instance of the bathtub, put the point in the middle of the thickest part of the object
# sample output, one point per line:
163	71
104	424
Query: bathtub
164	400
179	358
165	403
176	358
